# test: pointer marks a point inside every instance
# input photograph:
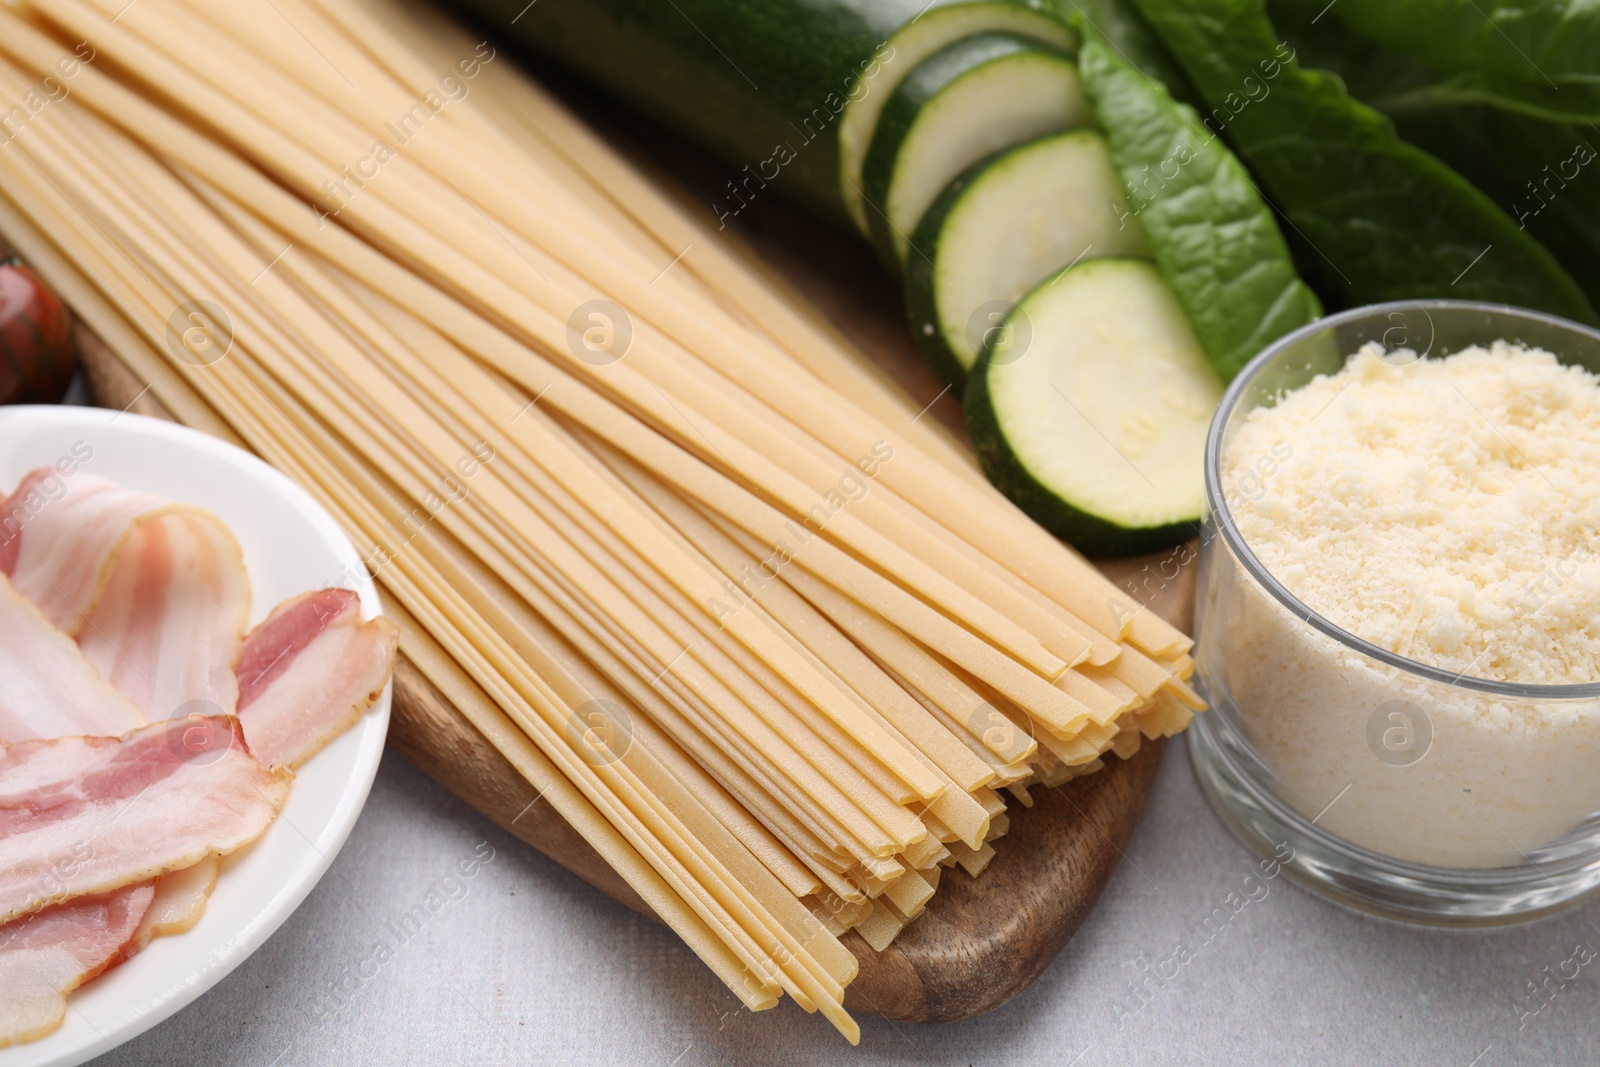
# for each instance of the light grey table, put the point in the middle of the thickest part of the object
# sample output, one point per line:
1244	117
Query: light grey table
525	964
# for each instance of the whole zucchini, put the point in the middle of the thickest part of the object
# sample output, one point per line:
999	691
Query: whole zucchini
768	86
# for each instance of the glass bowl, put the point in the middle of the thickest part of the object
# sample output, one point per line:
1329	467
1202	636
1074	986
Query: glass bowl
1384	783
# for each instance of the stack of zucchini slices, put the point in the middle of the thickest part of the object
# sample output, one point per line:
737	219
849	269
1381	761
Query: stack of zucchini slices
1030	287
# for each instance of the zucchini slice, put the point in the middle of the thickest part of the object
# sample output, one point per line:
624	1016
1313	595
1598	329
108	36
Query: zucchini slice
1002	228
1091	405
935	28
963	103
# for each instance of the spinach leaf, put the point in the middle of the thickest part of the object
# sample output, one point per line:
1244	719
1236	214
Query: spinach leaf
1539	56
1372	217
1215	240
1545	174
1370	71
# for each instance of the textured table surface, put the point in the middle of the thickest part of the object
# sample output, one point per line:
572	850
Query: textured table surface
524	964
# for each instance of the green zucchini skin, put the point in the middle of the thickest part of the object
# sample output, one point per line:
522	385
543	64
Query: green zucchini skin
760	84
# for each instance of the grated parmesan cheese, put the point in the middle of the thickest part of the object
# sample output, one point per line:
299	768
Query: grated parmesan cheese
1442	509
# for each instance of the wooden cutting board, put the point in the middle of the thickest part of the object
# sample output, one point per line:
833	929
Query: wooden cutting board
981	941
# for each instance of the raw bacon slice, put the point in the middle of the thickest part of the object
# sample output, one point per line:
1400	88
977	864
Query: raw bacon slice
179	902
61	535
167	627
309	671
47	687
46	955
155	592
90	814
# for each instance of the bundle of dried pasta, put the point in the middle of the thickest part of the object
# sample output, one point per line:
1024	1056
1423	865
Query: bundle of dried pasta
764	637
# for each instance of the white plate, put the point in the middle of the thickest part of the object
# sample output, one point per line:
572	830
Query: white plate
290	545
